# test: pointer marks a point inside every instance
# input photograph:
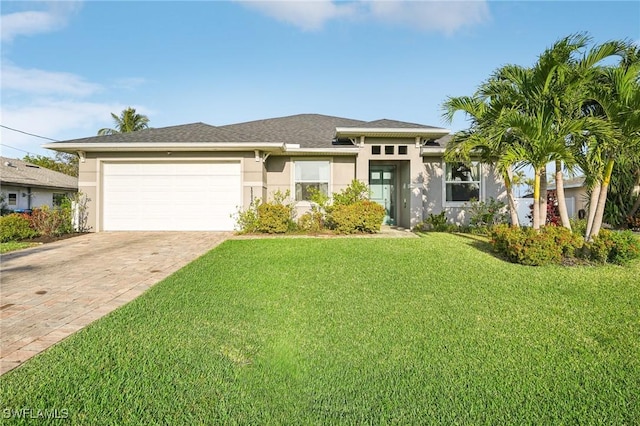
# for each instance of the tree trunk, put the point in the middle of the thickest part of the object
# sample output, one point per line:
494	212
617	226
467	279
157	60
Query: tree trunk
513	211
543	196
636	192
593	203
602	200
536	201
562	204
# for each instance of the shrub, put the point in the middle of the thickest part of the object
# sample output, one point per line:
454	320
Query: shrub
247	220
15	227
312	221
355	192
613	247
361	216
483	215
274	218
52	222
527	246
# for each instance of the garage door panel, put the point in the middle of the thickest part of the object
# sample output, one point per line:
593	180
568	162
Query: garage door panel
172	196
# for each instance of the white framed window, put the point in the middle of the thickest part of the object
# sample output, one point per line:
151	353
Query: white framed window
12	199
310	174
463	182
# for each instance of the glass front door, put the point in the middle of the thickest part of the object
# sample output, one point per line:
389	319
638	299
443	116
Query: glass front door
382	181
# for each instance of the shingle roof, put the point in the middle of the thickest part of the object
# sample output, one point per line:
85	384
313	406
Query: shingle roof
307	130
18	172
194	132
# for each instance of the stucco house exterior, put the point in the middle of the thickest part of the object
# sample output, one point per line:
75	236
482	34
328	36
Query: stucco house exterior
26	186
195	176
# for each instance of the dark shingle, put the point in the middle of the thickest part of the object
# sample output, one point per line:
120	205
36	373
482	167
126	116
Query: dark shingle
308	130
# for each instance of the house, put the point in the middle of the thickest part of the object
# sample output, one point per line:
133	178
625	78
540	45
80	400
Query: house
26	186
576	196
195	176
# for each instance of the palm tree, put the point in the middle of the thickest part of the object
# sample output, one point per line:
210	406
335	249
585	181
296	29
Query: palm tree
128	121
477	141
617	95
547	113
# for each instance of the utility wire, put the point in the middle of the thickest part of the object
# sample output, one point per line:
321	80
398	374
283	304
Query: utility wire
27	133
17	149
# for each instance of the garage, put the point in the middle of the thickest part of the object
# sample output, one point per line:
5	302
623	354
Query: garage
170	196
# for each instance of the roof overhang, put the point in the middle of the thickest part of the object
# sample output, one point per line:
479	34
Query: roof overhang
321	151
389	132
163	146
432	151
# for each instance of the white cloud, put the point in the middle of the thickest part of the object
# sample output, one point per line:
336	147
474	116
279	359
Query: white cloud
54	119
442	16
40	82
31	22
445	16
308	15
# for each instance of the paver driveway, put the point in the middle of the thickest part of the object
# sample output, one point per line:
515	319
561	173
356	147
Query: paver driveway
51	291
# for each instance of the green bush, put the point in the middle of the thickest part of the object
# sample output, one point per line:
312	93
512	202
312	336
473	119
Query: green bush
527	246
15	227
483	215
247	220
355	192
361	216
274	218
613	247
312	221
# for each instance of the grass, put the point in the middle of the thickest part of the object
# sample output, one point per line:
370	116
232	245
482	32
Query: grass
325	331
15	245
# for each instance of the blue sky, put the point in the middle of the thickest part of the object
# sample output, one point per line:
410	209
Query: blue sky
67	65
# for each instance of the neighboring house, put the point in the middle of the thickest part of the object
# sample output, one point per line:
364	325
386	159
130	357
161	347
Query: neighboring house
195	176
26	186
576	196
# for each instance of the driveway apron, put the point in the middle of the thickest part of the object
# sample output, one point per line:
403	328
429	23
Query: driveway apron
53	290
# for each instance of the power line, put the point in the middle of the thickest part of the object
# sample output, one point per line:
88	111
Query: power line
27	133
17	149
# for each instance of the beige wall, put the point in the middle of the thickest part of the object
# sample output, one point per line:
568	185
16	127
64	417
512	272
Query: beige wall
433	193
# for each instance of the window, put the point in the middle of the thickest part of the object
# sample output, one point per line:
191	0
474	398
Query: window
389	149
12	200
402	150
58	198
375	150
462	182
310	174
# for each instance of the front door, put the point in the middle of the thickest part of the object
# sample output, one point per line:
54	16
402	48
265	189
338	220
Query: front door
382	180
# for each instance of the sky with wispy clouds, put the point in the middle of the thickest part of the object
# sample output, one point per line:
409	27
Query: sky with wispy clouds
67	65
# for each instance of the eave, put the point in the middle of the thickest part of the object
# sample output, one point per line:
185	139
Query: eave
390	132
163	146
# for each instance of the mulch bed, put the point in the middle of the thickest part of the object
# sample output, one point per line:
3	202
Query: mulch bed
49	239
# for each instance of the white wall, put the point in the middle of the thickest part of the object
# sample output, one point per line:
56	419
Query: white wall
39	197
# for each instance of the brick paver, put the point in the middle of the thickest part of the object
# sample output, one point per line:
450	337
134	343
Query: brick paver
51	291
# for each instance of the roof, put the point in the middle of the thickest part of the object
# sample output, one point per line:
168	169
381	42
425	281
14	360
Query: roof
20	173
575	182
304	130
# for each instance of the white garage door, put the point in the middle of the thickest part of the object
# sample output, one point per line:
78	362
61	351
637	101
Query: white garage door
186	196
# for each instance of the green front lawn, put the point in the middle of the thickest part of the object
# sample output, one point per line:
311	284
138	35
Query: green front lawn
15	245
307	331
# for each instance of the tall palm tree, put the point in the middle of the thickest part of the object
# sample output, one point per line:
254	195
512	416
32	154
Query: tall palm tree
618	98
128	121
477	141
547	115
